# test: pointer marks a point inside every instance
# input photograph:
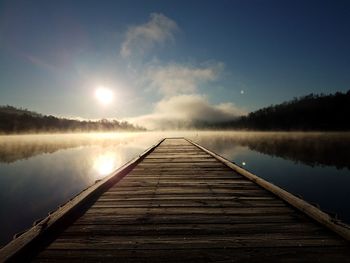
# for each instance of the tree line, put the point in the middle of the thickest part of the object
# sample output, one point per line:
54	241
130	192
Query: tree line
313	112
17	120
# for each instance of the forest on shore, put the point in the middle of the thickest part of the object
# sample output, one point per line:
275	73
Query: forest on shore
17	120
313	112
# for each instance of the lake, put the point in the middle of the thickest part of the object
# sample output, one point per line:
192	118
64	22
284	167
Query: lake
40	172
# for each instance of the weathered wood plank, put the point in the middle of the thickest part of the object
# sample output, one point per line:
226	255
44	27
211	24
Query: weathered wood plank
138	182
160	183
188	219
224	255
185	197
190	203
194	229
234	211
189	194
178	242
185	191
170	157
168	175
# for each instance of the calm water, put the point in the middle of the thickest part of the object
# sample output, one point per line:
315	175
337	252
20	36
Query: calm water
40	172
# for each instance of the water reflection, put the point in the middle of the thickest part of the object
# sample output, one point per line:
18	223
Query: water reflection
106	163
19	147
314	149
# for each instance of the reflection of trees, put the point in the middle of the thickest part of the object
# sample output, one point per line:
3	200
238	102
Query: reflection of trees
309	148
13	148
331	149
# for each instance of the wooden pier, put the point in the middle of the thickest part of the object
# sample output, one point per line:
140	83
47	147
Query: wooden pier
179	202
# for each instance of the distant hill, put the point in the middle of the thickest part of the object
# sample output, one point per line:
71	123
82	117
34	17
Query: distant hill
17	111
311	112
17	120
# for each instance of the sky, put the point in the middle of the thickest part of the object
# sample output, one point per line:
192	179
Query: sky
170	60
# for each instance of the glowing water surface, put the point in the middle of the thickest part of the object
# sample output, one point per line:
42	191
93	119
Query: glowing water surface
40	172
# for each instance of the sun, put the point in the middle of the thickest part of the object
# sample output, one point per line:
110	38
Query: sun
104	95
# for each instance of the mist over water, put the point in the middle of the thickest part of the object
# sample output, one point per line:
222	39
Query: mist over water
40	172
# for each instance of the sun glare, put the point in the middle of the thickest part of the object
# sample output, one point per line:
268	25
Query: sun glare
104	95
105	164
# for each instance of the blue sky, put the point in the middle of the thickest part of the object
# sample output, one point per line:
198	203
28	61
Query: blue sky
164	56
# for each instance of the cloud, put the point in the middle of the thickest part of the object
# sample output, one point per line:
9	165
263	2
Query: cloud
141	38
178	84
184	110
175	79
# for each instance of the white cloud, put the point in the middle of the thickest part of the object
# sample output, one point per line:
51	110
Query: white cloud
141	38
175	79
179	84
183	110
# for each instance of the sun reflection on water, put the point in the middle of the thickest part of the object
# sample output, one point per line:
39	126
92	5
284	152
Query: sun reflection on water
105	163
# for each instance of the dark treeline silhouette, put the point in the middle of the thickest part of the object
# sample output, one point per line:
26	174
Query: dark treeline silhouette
14	120
311	112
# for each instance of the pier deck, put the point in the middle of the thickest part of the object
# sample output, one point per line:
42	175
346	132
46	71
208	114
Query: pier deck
181	203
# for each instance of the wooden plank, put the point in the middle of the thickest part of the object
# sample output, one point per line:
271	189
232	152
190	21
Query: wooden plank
166	175
174	205
170	157
191	201
178	242
159	161
185	191
147	185
187	194
288	254
133	185
183	199
182	166
184	181
194	229
191	210
127	186
108	219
